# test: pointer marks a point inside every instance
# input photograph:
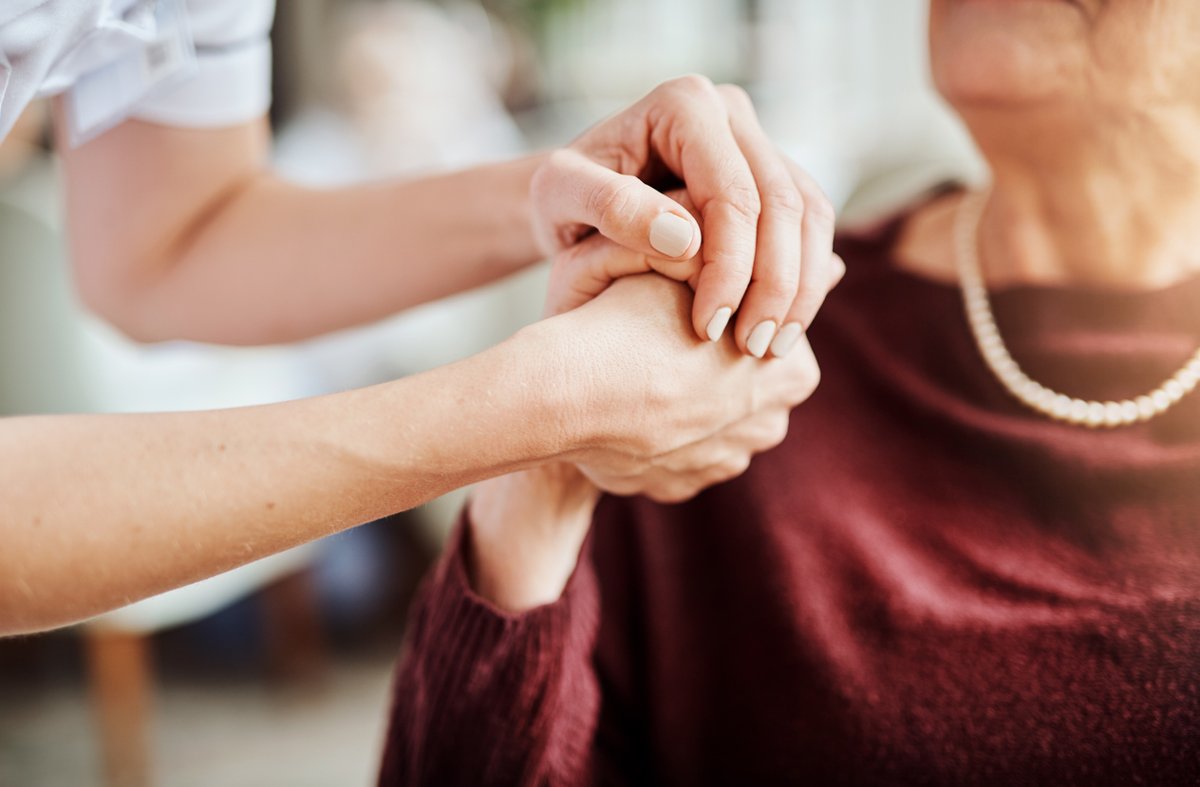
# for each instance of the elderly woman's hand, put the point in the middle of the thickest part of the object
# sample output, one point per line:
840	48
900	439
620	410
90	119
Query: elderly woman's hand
675	415
767	227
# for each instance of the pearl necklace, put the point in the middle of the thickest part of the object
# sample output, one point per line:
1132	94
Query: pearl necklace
1050	403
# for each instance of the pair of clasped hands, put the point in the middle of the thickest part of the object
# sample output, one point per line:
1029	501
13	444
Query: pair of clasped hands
691	386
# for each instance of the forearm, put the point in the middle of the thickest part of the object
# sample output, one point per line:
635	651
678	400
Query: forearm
278	262
223	250
101	510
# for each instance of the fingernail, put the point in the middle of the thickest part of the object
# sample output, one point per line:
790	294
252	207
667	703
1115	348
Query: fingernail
671	235
785	340
716	326
760	337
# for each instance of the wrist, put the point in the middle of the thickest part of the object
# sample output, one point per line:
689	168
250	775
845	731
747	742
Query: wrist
556	389
527	531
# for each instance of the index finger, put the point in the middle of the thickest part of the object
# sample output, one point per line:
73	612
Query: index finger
690	132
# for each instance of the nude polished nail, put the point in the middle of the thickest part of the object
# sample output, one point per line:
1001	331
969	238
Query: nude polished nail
785	340
760	338
671	235
716	326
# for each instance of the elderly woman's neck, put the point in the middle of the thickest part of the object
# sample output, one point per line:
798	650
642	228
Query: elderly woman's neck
1116	206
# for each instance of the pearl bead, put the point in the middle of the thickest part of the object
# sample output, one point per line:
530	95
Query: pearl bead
1145	406
1044	401
1129	412
1062	407
1079	411
1112	413
1006	371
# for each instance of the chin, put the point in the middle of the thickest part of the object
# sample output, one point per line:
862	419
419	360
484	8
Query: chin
996	52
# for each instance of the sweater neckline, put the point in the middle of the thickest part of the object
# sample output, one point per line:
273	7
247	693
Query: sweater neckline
1179	298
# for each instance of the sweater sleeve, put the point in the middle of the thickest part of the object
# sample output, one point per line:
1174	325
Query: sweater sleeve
488	697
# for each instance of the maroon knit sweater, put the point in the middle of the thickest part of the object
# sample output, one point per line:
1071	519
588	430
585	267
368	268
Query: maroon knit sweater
924	584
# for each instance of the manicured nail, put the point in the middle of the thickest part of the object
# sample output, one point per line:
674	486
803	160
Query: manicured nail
671	235
785	340
716	326
760	338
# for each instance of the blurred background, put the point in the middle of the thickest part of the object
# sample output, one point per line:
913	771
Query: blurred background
278	673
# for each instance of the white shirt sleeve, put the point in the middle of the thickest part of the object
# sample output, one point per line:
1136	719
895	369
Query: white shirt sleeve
232	80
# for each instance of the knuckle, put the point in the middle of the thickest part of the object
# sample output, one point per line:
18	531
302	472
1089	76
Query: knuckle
778	282
543	177
799	383
777	432
691	85
782	197
615	203
809	381
736	465
736	97
743	200
819	210
668	494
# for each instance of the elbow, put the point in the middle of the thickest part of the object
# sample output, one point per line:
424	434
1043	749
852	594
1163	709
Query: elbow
121	313
125	305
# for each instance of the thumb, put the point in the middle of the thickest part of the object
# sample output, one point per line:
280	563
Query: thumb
571	193
586	269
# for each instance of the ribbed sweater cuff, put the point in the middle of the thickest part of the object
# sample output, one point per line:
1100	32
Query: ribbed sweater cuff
477	623
510	692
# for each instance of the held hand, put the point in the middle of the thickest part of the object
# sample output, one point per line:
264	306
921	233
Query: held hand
680	473
528	527
662	413
649	388
767	227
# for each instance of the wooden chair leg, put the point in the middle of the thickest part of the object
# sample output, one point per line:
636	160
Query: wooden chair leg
120	676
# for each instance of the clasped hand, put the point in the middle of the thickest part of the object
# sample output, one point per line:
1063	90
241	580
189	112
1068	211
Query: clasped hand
757	244
659	409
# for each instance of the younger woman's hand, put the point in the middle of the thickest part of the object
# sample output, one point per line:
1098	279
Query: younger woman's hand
767	226
583	271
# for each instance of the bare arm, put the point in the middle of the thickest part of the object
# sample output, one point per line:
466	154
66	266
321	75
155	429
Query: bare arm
186	233
101	510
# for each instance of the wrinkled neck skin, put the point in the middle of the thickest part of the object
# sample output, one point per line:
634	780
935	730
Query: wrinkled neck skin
1089	197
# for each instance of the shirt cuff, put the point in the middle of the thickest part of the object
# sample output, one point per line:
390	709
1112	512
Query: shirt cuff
229	87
